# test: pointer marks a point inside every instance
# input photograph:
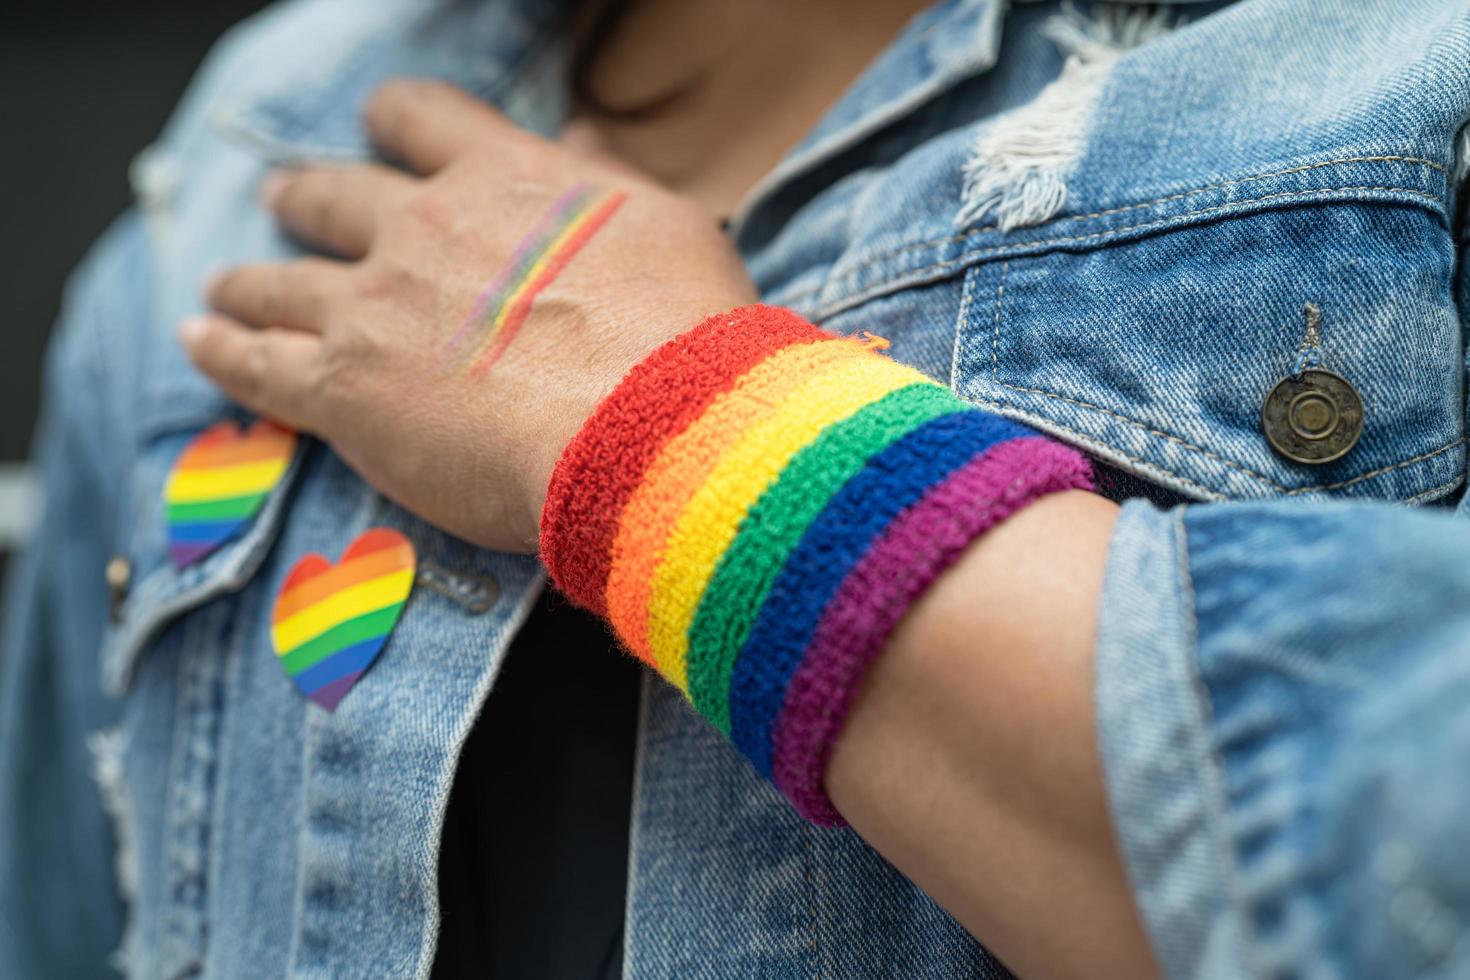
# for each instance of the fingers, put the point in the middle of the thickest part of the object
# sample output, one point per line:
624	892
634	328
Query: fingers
427	124
279	294
336	208
271	372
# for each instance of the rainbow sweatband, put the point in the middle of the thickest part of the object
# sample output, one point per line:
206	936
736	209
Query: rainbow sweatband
757	504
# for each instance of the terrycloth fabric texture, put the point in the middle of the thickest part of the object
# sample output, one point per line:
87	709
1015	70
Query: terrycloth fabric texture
682	466
770	535
847	518
711	521
891	574
662	394
758	503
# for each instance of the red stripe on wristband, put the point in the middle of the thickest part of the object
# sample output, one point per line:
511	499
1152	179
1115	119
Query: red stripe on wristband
658	398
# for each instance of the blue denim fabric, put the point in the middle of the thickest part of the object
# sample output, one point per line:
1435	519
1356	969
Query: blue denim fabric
1266	154
1282	699
727	881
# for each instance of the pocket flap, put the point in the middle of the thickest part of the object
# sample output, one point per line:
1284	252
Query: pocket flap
159	591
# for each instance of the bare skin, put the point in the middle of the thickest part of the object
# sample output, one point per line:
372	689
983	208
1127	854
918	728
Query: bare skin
1033	679
970	760
749	84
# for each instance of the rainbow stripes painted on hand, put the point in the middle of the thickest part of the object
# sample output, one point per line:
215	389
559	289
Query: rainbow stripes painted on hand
540	257
219	482
757	504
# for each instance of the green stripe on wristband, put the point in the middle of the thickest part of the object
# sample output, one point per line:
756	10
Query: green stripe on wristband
776	524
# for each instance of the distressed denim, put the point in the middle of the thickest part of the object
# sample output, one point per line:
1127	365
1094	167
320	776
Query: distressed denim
1276	678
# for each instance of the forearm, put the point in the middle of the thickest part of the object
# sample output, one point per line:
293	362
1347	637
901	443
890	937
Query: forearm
970	759
1272	726
893	607
755	508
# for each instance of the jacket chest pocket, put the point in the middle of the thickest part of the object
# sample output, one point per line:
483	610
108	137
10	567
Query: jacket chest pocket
1154	339
245	793
156	592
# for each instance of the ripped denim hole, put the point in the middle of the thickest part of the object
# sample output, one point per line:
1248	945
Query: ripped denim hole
107	749
1017	170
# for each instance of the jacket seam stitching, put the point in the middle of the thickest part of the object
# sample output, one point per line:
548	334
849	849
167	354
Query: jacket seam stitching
1088	440
1000	292
1426	495
1288	491
977	255
811	898
1092	440
1224	846
957	348
1168	198
1382	469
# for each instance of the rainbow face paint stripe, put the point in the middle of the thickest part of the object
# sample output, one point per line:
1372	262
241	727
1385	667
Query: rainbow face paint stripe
501	310
756	505
330	622
218	484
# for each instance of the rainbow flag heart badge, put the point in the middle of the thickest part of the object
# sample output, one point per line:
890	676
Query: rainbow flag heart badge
219	482
330	622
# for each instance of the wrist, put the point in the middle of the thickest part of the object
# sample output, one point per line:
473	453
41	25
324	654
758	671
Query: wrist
643	329
756	504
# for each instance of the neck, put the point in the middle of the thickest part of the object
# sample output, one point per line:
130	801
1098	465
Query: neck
708	95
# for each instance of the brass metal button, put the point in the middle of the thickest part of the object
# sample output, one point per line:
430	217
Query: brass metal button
119	577
1313	417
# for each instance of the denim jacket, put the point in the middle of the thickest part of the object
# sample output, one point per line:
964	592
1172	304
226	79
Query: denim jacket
1266	669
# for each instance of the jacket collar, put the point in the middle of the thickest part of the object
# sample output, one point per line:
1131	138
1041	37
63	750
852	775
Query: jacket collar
486	48
313	110
313	113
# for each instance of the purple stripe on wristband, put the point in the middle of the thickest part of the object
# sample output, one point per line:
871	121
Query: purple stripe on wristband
911	553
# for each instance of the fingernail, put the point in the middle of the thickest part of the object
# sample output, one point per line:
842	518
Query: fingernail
272	186
191	329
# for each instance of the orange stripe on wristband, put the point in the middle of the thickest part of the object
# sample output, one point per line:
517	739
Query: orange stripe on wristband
685	463
660	397
710	521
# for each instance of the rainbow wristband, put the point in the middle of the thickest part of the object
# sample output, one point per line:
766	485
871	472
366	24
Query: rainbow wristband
757	504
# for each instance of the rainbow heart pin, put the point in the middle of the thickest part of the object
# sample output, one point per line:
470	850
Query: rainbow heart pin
219	482
330	622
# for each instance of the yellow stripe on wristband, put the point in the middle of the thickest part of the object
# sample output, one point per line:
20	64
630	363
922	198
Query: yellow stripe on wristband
684	464
712	517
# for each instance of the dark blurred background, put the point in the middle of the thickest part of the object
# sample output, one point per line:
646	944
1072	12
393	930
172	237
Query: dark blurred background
84	86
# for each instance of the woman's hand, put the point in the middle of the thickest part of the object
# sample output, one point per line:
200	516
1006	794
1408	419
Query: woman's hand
489	300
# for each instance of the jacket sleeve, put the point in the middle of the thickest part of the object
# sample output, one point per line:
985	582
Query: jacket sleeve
59	901
1283	697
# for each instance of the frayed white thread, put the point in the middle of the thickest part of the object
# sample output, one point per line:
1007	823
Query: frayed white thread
107	750
1019	166
1462	157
